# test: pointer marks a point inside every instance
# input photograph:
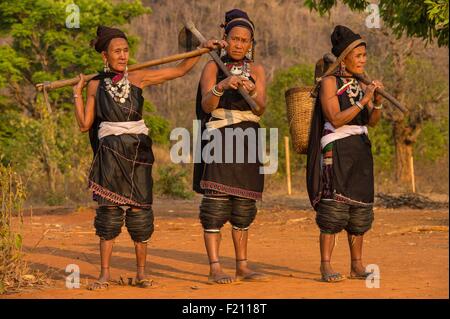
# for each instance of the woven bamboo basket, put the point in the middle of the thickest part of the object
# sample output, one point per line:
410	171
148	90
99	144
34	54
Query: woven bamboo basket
299	104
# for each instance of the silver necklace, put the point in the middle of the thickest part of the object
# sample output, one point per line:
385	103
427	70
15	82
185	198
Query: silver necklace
241	69
120	90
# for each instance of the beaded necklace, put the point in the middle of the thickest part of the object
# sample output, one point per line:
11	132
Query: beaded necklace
353	89
240	68
119	90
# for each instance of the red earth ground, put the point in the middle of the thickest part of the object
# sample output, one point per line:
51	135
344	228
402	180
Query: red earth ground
283	244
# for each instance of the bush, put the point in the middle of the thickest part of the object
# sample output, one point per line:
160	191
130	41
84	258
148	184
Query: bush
173	182
159	129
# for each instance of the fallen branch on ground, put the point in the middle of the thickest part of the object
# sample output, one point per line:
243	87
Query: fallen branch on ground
418	229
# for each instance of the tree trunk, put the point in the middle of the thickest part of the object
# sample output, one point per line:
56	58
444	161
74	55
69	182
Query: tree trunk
403	153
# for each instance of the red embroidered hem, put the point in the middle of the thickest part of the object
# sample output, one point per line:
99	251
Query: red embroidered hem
341	198
235	191
113	197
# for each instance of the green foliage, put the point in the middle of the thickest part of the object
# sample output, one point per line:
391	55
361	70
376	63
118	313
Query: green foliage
383	149
44	141
19	139
173	182
424	19
159	126
432	143
324	6
424	87
43	49
438	14
275	115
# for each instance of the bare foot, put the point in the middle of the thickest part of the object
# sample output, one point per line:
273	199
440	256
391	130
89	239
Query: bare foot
246	274
217	276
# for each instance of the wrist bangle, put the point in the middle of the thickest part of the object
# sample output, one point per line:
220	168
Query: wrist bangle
216	92
255	94
378	107
359	105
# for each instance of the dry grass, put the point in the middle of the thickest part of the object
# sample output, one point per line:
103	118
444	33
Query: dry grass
14	272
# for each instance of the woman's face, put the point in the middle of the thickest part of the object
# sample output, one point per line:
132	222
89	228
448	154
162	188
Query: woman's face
239	42
356	60
117	54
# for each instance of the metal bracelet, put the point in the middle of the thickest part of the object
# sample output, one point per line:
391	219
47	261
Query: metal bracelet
215	92
359	105
254	95
378	107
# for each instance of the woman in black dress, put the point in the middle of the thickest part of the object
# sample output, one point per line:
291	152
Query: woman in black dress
230	188
121	172
340	165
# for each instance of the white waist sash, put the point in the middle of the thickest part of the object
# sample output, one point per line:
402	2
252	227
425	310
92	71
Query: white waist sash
119	128
228	117
341	132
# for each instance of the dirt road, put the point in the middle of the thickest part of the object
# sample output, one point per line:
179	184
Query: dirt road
283	244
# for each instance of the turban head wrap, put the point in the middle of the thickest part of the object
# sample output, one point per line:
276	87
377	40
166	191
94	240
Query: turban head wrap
104	37
236	17
341	38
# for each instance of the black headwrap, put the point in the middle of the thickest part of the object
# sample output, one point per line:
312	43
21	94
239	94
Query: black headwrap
341	38
235	18
104	36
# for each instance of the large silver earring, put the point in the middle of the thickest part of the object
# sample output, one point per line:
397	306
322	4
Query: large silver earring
223	52
249	54
342	69
106	68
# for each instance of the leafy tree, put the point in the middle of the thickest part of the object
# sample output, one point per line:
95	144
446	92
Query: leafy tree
159	126
416	18
41	48
408	76
413	80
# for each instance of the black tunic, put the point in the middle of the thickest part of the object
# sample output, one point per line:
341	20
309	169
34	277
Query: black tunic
352	168
121	172
238	179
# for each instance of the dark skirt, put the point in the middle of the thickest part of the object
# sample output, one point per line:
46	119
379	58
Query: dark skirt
121	171
238	179
353	180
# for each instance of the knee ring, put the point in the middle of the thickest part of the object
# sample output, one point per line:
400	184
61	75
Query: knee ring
139	223
214	213
243	214
108	222
360	221
332	217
